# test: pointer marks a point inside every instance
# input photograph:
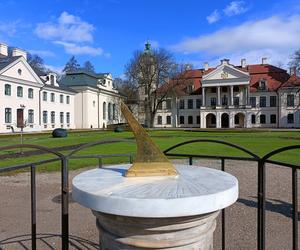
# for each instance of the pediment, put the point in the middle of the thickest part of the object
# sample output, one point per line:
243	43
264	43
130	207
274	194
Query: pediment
226	72
20	69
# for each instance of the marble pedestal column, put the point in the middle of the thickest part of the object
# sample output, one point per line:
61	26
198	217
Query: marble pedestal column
159	212
182	233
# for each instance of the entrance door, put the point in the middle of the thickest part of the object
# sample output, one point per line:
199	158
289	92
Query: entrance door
225	120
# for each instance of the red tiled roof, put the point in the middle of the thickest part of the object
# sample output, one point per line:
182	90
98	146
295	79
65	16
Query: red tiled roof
293	81
275	77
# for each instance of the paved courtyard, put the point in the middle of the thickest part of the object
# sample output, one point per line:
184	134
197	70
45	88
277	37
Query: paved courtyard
240	218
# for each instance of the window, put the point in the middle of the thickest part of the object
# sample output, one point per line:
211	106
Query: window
159	106
8	115
290	100
253	119
236	89
30	93
20	91
61	117
114	112
61	99
68	99
7	90
52	117
262	85
213	90
213	101
109	112
190	119
273	118
181	119
198	119
198	103
190	89
190	104
68	117
272	101
45	117
224	100
159	120
168	119
224	89
44	96
236	101
169	104
290	118
30	116
262	101
52	97
262	119
181	104
253	101
104	110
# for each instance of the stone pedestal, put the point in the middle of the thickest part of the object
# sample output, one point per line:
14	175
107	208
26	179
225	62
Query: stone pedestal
182	233
159	212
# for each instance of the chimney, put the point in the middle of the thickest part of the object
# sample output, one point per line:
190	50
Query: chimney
243	63
206	66
19	52
3	49
264	60
224	61
293	70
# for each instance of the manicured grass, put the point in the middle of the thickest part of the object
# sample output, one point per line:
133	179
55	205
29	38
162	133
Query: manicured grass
257	141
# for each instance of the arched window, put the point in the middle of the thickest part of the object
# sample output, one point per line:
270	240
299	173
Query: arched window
104	110
114	112
30	116
20	91
7	90
109	111
7	115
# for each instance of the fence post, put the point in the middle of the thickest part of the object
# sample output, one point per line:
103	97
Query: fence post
33	207
190	160
65	202
223	211
261	196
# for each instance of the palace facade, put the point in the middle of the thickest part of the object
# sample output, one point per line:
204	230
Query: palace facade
230	96
80	100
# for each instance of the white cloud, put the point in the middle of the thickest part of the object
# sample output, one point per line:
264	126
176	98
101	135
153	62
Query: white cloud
57	69
67	28
74	49
277	35
10	28
235	8
213	17
43	53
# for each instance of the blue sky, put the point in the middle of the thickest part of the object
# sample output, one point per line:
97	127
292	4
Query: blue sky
107	32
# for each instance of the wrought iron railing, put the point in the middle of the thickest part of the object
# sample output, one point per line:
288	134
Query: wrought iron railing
250	156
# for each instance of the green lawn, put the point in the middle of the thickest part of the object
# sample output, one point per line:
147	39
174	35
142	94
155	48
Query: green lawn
258	141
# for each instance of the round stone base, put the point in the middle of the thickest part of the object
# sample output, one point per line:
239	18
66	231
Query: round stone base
181	233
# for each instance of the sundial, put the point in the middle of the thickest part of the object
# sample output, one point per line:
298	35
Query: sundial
153	204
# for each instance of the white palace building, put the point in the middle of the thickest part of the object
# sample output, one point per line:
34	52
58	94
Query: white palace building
80	100
230	96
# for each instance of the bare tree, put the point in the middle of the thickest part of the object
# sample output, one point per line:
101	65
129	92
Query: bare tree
295	60
149	73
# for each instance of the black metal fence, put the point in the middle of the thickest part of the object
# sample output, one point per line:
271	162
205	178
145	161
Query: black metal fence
64	162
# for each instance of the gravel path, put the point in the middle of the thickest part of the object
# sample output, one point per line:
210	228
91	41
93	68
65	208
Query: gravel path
240	224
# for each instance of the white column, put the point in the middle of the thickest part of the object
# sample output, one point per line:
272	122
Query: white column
203	97
219	96
231	95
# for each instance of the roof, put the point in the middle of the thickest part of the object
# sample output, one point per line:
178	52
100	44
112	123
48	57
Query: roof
61	87
5	61
293	81
274	76
79	78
